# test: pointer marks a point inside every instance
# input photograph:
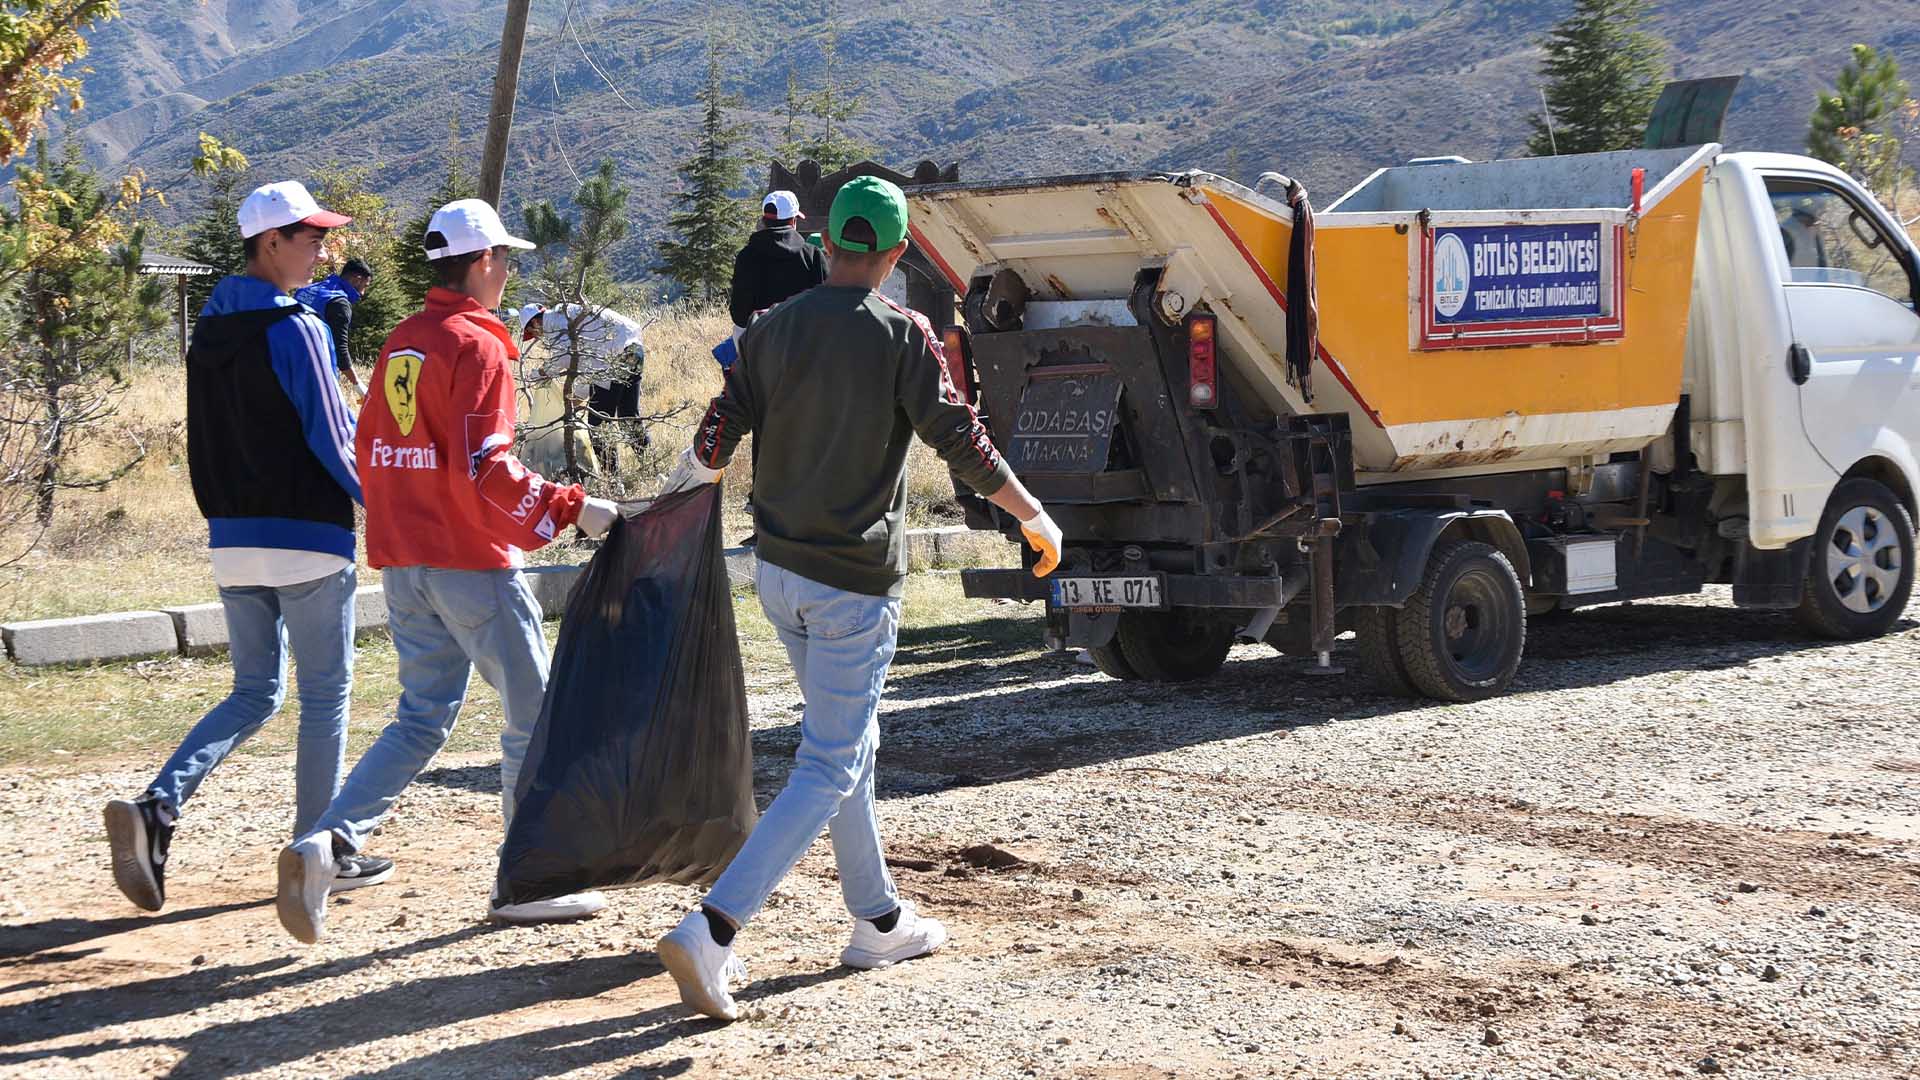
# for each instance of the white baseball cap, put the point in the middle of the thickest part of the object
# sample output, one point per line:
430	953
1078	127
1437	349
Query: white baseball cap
782	205
275	206
529	313
470	225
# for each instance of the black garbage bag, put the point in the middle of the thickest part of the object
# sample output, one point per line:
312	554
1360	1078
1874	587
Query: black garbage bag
640	769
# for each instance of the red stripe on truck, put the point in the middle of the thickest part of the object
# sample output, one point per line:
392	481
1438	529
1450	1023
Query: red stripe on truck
1280	298
934	254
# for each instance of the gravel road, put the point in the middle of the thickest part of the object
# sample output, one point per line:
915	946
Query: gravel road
1685	844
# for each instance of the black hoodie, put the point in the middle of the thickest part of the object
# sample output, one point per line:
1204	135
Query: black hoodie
776	263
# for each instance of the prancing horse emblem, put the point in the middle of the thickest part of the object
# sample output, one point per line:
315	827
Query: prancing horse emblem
403	388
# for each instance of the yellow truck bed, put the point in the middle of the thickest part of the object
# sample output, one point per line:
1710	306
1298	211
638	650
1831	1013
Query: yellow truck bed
1471	315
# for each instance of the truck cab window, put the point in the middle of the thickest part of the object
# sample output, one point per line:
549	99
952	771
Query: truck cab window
1831	240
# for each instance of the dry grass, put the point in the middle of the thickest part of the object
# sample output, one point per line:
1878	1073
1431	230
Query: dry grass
141	542
681	370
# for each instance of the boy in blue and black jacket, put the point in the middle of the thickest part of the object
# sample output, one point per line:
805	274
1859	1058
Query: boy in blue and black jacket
332	298
270	451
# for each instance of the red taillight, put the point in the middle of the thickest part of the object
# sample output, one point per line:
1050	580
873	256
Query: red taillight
1639	188
954	343
1203	383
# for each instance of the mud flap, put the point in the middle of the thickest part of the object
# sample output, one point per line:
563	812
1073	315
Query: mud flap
1771	580
1091	629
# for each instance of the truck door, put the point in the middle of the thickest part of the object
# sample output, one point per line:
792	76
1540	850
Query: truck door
1852	291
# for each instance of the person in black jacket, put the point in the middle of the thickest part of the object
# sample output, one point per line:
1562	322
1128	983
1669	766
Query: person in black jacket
332	298
776	263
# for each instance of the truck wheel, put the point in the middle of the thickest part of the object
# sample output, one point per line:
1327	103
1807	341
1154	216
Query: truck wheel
1172	646
1111	662
1462	632
1374	631
1861	571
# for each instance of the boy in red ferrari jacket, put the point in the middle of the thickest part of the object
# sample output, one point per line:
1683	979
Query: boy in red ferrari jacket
449	511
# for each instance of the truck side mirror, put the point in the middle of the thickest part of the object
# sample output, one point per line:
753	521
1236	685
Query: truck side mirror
1799	364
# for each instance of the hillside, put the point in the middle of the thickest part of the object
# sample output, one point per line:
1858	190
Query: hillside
1320	89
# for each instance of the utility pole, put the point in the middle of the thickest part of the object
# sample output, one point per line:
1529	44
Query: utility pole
506	84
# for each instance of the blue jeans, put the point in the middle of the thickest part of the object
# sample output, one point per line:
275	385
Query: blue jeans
840	644
444	624
316	617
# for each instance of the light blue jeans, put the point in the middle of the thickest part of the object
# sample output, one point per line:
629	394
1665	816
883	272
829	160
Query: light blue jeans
316	618
444	624
840	644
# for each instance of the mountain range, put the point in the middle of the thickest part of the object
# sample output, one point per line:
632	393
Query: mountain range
1323	90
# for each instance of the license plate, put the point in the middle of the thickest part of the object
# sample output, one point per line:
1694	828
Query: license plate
1109	592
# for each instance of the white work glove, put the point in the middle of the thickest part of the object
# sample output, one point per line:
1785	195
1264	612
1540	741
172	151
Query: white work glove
597	516
688	473
1043	536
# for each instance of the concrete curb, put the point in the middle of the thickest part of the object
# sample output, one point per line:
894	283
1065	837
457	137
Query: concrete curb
120	636
201	629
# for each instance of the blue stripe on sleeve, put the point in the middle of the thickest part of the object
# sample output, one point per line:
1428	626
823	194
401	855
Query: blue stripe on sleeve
302	352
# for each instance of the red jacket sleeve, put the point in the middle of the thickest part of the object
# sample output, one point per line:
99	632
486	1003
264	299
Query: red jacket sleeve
517	505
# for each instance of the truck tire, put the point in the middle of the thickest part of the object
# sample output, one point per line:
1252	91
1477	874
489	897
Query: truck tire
1464	629
1172	646
1374	632
1111	662
1861	570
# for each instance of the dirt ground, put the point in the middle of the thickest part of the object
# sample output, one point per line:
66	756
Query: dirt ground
1686	844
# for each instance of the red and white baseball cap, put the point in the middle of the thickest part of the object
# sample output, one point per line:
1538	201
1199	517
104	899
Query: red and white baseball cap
782	205
275	206
470	225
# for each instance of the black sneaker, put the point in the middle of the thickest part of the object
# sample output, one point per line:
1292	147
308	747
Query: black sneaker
360	871
139	833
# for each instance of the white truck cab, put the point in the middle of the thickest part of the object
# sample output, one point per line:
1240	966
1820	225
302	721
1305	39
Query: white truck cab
1803	362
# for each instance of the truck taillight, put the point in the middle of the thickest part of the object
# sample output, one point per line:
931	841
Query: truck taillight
959	357
1203	383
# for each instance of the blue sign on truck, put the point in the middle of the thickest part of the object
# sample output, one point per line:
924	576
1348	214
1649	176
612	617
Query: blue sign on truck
1517	284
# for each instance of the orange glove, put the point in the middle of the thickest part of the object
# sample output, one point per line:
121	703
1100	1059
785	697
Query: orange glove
1042	536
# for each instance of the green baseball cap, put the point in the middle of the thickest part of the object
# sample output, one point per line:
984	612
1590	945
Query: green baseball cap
880	202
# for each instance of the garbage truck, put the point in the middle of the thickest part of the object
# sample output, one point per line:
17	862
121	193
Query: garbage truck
1463	395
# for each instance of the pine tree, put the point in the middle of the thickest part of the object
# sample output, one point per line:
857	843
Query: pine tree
712	221
1603	73
832	104
76	300
214	236
1857	125
1868	90
410	267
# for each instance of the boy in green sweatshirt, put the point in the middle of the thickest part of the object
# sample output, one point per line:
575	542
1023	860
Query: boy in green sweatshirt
834	383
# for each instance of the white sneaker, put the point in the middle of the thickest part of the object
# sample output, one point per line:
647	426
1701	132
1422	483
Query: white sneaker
306	877
913	935
567	908
703	968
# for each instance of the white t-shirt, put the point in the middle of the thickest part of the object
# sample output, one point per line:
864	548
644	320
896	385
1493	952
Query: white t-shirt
237	567
602	334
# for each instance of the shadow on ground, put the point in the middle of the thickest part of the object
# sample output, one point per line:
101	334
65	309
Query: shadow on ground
30	938
350	1020
994	709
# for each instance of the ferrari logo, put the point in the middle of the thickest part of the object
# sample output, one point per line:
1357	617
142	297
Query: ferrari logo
402	384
